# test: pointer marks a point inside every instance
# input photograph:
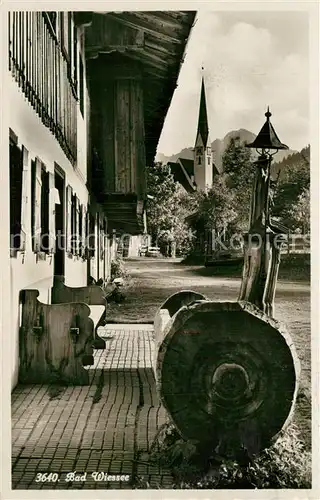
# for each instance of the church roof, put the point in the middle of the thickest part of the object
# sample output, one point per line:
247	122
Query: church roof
179	176
203	127
188	165
183	175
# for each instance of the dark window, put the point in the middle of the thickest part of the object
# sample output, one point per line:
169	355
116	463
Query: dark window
73	225
208	160
81	89
16	172
91	236
199	160
44	210
81	232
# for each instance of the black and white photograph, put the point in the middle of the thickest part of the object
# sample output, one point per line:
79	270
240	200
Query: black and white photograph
156	248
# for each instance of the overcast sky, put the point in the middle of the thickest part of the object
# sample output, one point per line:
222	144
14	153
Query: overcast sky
251	60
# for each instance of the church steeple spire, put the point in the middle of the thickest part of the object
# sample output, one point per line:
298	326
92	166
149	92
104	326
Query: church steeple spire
203	168
203	127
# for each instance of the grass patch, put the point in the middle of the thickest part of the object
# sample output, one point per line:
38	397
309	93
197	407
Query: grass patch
293	267
286	464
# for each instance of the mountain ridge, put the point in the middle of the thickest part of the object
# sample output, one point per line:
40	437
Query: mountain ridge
218	148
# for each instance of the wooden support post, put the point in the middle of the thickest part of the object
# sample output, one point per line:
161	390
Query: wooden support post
55	342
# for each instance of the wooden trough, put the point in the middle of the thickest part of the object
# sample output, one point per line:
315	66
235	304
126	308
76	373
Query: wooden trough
226	373
55	342
92	295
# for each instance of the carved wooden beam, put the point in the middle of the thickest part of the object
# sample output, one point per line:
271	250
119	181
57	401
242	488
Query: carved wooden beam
82	18
106	36
173	18
154	58
150	25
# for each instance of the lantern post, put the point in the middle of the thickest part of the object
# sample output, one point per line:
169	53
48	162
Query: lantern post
262	243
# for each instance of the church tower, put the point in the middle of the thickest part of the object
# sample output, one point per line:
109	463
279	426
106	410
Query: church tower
203	167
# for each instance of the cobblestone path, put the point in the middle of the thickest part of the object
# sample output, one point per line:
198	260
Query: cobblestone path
105	427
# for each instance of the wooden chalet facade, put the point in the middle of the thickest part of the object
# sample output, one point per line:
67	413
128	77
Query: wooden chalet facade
88	96
133	60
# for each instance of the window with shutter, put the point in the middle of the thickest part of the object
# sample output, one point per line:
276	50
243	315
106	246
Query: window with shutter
69	219
16	175
83	231
92	236
80	231
44	241
73	225
52	213
77	226
25	197
87	223
37	206
33	201
101	239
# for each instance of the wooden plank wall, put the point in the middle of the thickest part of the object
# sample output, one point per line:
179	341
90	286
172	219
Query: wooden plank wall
118	128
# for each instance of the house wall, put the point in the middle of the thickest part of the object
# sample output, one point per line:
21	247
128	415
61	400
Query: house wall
27	270
136	242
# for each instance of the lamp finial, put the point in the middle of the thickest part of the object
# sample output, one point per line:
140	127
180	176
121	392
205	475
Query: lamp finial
268	114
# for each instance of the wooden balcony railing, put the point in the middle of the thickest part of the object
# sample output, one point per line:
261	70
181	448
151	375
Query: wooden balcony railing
42	71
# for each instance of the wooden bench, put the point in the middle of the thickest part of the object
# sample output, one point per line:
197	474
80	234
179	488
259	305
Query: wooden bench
92	295
226	373
55	341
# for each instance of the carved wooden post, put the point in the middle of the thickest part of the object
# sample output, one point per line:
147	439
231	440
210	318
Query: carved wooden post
263	241
257	249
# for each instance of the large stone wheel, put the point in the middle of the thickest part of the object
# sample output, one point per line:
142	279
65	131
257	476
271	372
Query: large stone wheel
227	375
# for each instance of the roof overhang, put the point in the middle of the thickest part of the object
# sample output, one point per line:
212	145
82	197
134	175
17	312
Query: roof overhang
157	41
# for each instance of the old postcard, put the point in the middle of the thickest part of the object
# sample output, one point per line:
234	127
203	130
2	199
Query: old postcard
156	255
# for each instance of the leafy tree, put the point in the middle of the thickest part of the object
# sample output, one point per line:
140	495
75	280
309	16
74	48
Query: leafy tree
300	212
167	210
238	165
216	207
294	179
